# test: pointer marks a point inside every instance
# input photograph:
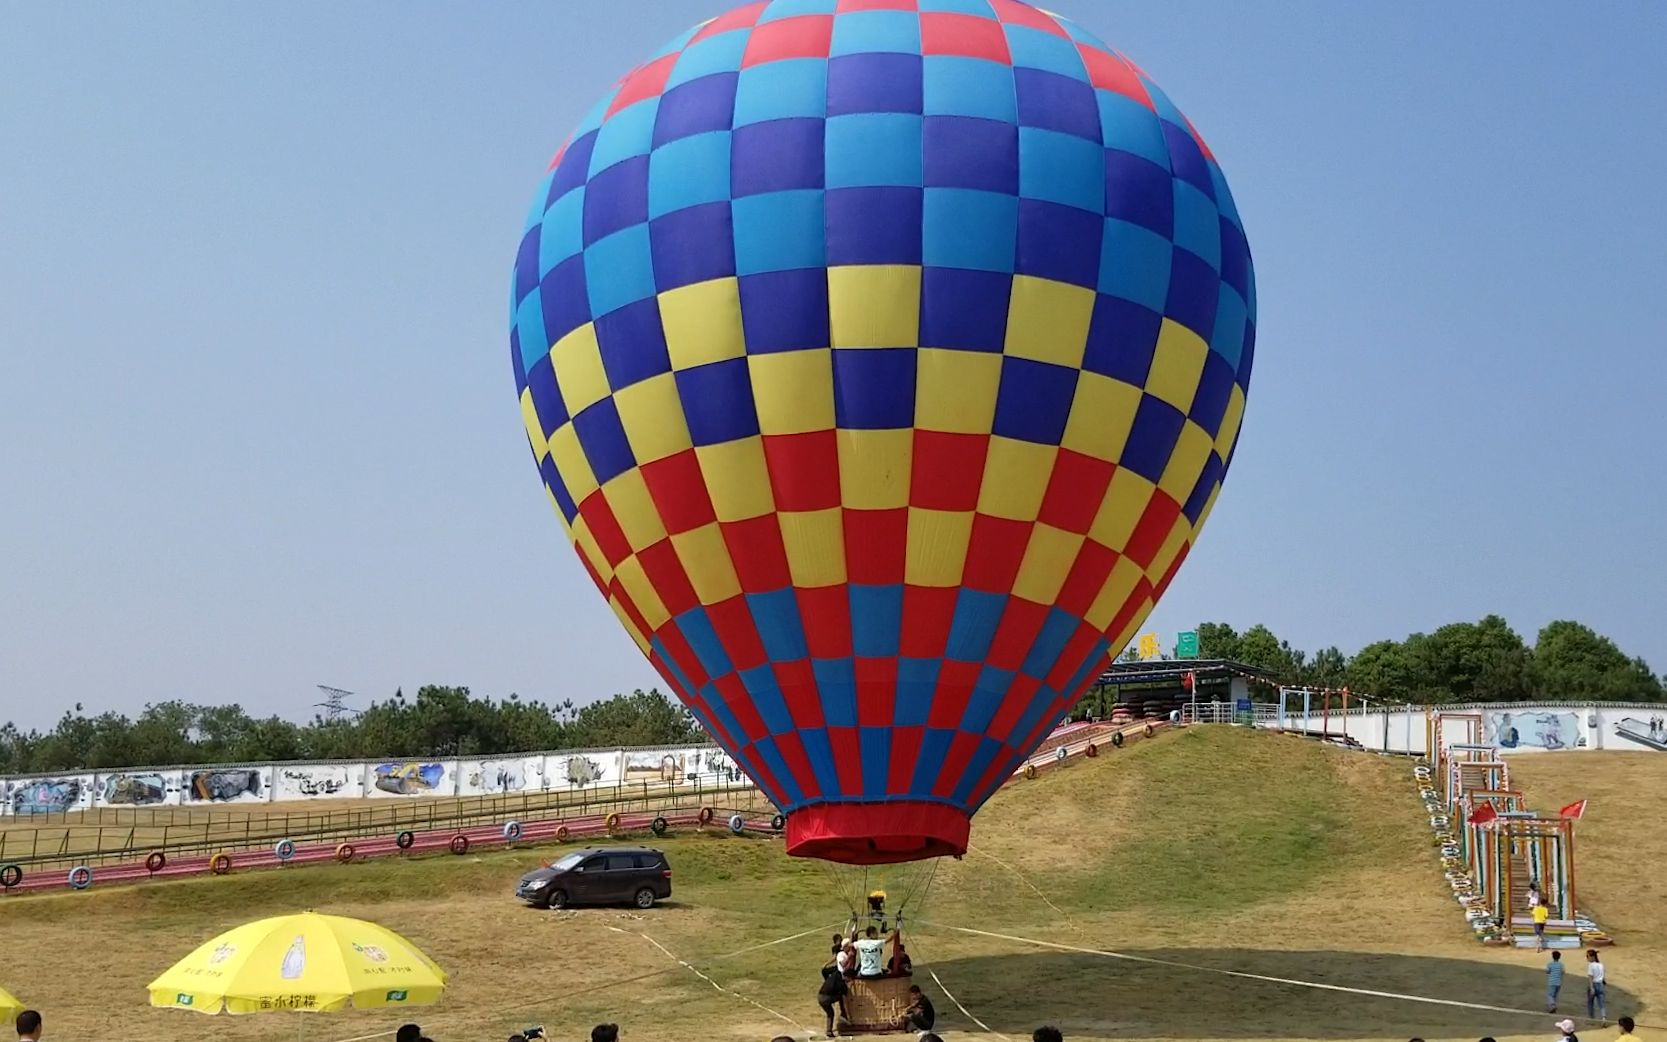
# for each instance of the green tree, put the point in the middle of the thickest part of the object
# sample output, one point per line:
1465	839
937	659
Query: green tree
1218	640
1572	661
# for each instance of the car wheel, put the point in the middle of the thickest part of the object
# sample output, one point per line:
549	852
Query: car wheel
645	898
558	900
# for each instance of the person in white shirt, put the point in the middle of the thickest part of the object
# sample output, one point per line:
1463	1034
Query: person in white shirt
1595	989
871	955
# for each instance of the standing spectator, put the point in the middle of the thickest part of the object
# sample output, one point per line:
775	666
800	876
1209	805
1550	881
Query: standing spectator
1553	981
832	994
1541	914
28	1026
1626	1034
605	1033
1596	987
1046	1034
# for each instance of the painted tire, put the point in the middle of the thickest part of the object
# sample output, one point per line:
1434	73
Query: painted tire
10	876
561	833
1150	730
1063	753
344	853
778	823
220	864
459	845
284	849
612	821
155	861
512	830
658	826
704	816
1092	750
80	877
1030	770
1117	739
737	824
404	840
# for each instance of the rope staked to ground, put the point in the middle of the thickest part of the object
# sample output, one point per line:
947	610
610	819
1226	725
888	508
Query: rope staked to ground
1265	978
727	991
568	993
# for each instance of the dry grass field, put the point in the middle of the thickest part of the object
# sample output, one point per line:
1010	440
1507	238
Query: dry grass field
1206	850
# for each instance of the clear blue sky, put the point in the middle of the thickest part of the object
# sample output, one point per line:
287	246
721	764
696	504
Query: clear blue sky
258	421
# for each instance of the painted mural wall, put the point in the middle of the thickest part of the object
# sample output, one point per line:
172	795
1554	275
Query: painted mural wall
1515	729
149	787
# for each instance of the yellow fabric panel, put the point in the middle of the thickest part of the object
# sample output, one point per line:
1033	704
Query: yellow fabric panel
1179	532
1120	512
1186	462
634	509
652	414
737	479
630	627
815	545
1177	365
705	557
1135	622
874	468
642	593
572	464
1125	575
1015	477
587	545
793	390
702	323
1230	421
535	426
1047	321
937	548
1209	505
577	359
566	528
1102	415
955	391
874	305
1047	561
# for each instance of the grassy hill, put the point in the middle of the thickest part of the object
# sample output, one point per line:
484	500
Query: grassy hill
1212	847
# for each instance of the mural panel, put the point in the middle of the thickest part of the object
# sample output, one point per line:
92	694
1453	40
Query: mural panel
655	767
491	777
318	781
49	795
408	778
227	785
712	764
139	789
1525	730
580	770
1642	730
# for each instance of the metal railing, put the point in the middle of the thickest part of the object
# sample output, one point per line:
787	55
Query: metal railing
185	832
1226	713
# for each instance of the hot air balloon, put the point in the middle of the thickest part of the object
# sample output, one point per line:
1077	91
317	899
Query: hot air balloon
883	360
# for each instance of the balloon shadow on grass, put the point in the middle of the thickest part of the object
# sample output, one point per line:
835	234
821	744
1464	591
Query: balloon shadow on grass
1099	996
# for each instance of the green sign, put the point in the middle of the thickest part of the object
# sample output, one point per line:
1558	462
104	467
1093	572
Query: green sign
1186	644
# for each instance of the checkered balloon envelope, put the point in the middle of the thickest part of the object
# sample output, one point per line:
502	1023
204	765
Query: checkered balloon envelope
882	360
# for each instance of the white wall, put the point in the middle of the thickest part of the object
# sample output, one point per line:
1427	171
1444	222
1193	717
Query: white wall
1515	728
394	778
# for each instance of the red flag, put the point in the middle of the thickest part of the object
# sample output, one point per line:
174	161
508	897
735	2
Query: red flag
1189	681
1575	810
1482	815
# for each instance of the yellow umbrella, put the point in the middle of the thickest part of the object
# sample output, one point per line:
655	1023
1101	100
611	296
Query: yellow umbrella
10	1006
309	963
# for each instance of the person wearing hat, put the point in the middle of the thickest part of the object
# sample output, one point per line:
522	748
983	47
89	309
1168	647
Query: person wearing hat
1566	1029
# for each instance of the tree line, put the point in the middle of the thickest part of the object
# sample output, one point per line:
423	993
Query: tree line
439	721
1483	661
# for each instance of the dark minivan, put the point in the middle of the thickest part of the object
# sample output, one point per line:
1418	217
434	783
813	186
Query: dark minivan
599	876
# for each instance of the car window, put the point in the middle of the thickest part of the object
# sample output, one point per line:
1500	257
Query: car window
567	863
621	861
595	864
648	861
